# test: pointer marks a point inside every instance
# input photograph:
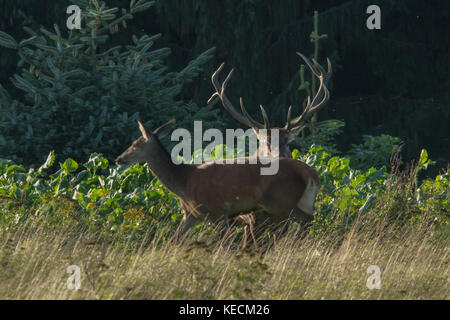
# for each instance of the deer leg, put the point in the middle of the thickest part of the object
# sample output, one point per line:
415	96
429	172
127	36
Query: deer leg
244	239
186	224
258	218
225	227
280	215
248	221
252	233
302	218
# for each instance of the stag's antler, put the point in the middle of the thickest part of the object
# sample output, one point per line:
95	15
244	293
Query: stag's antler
320	99
220	92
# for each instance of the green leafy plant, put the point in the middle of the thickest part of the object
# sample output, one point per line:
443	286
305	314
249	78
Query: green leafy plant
347	192
375	151
128	197
434	195
323	135
115	196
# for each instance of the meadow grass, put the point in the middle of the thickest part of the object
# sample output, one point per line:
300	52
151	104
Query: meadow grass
35	253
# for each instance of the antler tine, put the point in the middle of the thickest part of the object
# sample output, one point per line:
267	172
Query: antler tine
252	123
329	72
314	107
266	119
288	122
225	83
312	66
326	75
228	106
216	83
322	95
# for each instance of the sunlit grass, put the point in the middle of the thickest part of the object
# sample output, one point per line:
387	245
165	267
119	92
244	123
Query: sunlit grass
34	256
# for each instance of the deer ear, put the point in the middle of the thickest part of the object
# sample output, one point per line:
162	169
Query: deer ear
293	133
164	130
143	130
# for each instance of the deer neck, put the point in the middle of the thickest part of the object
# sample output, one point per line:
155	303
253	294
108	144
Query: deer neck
172	176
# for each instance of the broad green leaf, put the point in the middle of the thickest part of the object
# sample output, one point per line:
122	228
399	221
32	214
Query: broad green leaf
69	165
49	162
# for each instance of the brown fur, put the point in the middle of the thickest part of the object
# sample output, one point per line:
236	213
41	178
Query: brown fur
220	192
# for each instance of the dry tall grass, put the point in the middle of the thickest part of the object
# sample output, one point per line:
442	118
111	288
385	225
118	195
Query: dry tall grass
413	260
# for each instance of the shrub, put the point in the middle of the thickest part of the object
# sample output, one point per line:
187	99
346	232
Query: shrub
323	135
131	196
375	150
347	193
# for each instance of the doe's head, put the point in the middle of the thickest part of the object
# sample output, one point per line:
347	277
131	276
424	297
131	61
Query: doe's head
143	148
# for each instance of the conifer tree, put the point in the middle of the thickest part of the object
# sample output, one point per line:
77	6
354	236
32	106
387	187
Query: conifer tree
83	94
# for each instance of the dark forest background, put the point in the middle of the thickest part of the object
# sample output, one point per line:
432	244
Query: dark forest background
393	81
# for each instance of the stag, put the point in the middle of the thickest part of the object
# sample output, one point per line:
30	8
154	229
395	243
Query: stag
287	133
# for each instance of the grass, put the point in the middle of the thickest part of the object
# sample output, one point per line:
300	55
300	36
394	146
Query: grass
36	252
